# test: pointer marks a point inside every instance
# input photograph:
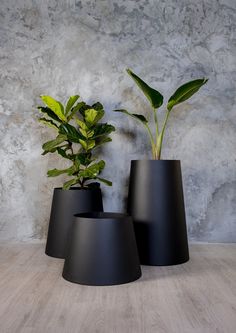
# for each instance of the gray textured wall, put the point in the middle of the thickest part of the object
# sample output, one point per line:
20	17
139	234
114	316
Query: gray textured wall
64	47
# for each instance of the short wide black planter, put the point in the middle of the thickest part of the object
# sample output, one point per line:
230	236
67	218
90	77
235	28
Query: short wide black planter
156	204
65	204
102	250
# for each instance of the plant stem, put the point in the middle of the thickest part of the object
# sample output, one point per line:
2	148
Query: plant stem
152	141
156	123
160	138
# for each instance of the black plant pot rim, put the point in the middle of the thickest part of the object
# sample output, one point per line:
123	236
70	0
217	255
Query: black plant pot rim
102	215
154	161
79	188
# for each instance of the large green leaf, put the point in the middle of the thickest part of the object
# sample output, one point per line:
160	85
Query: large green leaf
70	103
57	172
93	170
48	123
185	91
69	183
102	129
55	106
71	132
139	117
92	116
52	144
154	97
49	113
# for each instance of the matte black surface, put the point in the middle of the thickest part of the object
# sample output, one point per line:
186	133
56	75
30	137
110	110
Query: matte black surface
102	250
65	204
156	204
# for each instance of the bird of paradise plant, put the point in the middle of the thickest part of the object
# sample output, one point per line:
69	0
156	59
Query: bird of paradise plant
155	99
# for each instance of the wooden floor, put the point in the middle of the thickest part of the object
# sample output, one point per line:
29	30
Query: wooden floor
199	296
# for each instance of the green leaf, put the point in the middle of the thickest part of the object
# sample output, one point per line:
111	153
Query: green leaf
90	134
71	170
52	144
154	97
62	152
97	106
69	183
49	113
83	108
83	132
49	151
81	123
48	123
93	170
70	103
88	144
57	172
75	109
87	134
84	158
103	129
83	144
71	132
185	91
92	116
139	117
100	141
101	164
105	181
77	163
55	106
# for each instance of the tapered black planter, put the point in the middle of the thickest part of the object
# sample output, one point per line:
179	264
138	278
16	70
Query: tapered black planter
156	204
65	204
102	250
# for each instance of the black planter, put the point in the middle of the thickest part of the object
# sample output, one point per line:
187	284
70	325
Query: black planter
156	204
65	204
102	250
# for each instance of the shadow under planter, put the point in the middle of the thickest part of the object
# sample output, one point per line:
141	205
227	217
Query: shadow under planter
65	204
156	204
102	250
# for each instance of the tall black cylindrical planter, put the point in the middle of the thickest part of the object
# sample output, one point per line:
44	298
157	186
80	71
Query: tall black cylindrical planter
65	204
102	250
156	204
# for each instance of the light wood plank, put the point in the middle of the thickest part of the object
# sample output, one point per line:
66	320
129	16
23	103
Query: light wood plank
198	297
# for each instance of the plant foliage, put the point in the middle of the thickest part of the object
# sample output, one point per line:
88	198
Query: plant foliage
155	99
77	133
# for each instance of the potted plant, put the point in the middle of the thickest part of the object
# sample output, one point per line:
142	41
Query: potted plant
78	132
155	198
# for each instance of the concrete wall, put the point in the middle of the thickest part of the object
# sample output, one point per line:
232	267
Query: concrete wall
65	47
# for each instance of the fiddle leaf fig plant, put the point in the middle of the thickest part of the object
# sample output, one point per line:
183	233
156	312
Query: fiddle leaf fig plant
155	99
78	132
